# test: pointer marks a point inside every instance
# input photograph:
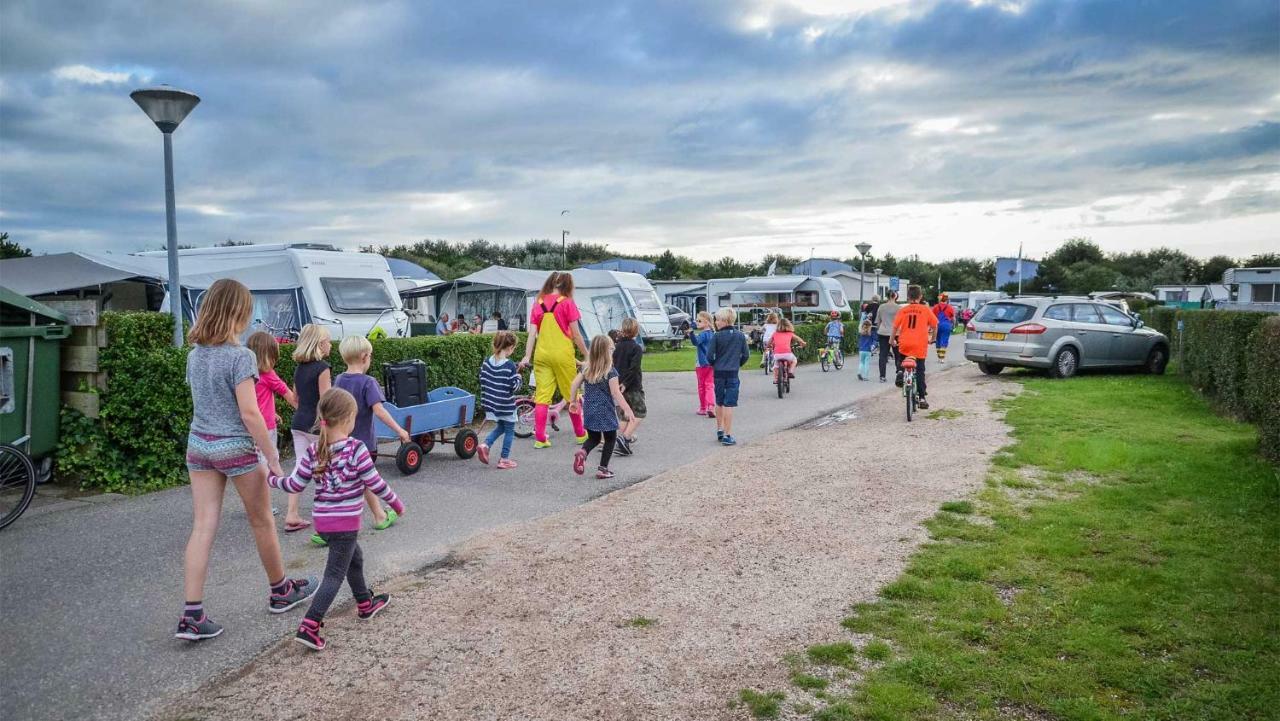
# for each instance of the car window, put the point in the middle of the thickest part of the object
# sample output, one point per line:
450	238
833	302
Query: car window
1112	316
1085	313
1058	312
1005	313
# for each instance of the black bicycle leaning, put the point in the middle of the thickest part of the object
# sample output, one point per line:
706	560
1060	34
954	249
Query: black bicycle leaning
17	482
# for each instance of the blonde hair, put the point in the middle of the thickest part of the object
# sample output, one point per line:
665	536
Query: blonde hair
336	407
786	326
599	359
353	348
264	345
630	328
225	312
309	341
503	340
564	284
703	315
725	315
771	318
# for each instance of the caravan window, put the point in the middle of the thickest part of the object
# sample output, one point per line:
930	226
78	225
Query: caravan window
356	295
273	310
837	298
723	300
646	300
807	298
605	313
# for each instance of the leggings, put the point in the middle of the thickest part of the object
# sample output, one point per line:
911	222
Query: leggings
706	388
885	351
606	451
345	561
864	363
506	429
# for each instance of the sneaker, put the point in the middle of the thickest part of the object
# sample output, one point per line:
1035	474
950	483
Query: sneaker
275	510
297	592
192	629
728	441
483	453
581	439
711	413
700	412
922	404
387	522
317	540
542	444
309	634
506	464
604	473
366	610
719	435
622	446
580	461
898	381
882	379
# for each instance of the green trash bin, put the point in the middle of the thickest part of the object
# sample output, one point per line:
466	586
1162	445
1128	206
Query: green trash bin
31	337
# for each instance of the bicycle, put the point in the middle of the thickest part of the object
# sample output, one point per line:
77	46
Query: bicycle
831	354
909	389
17	481
525	406
766	361
784	377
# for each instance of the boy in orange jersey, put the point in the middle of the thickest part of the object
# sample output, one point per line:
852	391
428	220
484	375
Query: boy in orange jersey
913	330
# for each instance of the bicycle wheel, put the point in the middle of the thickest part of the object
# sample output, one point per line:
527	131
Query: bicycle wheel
782	372
822	358
524	417
838	359
908	390
17	483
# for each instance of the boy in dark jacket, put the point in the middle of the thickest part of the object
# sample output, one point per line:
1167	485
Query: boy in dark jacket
727	353
627	354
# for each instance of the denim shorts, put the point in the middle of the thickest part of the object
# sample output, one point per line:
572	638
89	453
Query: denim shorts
727	390
229	455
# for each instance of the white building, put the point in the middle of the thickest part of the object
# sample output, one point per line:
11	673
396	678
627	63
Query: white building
1252	289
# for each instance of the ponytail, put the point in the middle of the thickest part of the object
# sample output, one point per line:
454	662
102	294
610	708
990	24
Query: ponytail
336	406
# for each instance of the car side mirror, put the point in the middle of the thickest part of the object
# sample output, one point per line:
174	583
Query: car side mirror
1137	323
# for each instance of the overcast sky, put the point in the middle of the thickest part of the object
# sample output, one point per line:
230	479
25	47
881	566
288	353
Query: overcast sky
711	128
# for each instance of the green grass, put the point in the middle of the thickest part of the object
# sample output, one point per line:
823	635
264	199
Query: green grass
1132	573
964	507
762	705
943	414
661	360
808	681
841	653
641	622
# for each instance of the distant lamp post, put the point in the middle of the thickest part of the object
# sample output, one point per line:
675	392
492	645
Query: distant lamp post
564	244
878	271
863	249
168	107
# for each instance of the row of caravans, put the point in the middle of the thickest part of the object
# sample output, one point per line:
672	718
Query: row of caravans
350	293
792	294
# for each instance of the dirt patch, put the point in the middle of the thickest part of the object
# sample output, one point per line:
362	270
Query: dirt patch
732	561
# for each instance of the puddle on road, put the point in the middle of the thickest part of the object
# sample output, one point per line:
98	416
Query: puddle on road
844	415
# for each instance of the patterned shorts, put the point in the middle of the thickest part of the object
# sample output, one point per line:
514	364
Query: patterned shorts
229	455
635	399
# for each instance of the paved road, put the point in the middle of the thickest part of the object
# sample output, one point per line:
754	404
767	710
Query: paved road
89	596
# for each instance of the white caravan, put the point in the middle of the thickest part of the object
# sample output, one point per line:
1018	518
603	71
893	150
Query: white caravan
299	283
791	293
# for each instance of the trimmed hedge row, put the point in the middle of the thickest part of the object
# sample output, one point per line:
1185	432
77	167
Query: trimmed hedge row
138	442
1233	357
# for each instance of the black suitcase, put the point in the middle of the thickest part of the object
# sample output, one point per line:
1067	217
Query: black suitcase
406	382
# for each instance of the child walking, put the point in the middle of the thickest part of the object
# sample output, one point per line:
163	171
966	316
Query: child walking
269	385
311	378
601	400
627	356
727	353
357	353
866	344
342	468
701	339
227	428
499	381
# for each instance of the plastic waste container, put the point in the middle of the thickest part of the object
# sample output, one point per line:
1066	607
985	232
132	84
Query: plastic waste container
31	336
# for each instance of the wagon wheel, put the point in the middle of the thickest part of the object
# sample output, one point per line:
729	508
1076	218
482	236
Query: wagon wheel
426	441
524	417
409	458
466	443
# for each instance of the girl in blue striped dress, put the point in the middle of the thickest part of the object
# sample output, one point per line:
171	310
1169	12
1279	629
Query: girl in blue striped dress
499	381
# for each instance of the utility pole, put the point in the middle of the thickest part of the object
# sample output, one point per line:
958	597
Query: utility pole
564	250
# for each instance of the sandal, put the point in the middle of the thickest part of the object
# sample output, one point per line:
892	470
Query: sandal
387	522
294	527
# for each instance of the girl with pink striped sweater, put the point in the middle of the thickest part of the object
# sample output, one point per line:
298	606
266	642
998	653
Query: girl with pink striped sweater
342	469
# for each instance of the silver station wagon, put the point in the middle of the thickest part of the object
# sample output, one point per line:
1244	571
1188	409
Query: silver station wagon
1061	335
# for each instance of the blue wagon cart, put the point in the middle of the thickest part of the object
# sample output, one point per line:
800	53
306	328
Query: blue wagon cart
446	408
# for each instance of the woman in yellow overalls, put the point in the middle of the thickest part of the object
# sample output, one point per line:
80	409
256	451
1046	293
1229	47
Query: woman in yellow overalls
553	333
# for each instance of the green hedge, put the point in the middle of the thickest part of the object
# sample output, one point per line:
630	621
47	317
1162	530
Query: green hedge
1233	357
138	442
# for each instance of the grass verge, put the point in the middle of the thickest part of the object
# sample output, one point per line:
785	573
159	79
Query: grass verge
661	360
1122	563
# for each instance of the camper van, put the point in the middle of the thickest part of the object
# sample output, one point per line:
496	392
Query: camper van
793	294
299	283
604	297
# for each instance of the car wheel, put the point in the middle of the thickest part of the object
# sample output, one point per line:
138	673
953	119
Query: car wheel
1157	359
1065	363
990	369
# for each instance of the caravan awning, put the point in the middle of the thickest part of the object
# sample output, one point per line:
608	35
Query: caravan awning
530	281
770	284
43	274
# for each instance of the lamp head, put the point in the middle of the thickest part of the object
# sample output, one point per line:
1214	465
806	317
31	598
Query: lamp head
167	107
863	248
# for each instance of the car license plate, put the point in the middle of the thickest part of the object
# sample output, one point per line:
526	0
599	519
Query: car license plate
993	336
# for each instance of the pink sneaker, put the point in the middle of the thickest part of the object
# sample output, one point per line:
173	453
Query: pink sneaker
580	461
505	464
483	454
604	473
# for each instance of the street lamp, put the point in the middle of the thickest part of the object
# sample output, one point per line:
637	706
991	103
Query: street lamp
564	244
863	249
168	107
878	271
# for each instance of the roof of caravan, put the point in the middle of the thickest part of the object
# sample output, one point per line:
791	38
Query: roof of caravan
771	284
407	269
499	276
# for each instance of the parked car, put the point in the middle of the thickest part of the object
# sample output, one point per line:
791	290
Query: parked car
1061	335
678	318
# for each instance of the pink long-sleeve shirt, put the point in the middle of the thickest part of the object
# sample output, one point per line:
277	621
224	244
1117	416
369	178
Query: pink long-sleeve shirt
339	498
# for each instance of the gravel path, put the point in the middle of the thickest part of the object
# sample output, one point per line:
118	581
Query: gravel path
735	559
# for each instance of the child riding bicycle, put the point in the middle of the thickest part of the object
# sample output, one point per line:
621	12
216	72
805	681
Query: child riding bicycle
913	329
780	344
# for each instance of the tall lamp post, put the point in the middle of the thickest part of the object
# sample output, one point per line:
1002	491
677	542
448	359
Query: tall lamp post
564	244
878	271
168	107
863	249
